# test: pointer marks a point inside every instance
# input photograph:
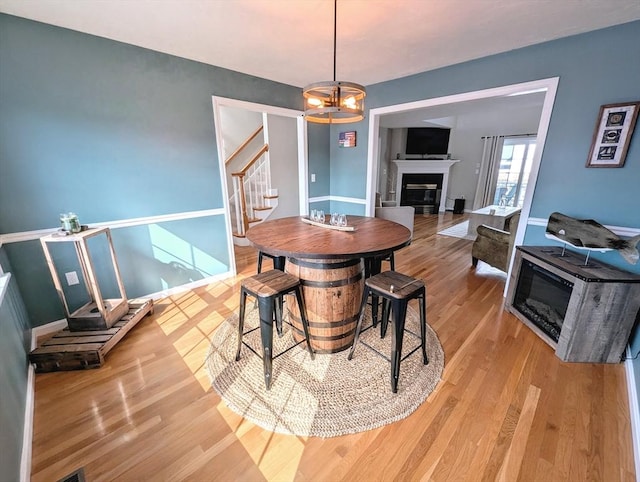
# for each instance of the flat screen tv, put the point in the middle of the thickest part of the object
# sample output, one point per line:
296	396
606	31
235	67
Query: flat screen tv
428	140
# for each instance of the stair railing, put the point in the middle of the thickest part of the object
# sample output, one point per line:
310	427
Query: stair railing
250	186
242	146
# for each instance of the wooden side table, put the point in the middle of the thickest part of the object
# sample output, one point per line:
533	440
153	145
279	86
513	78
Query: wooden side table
98	313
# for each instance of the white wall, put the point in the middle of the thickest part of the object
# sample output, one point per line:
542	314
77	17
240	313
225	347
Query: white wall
466	144
283	155
384	164
237	125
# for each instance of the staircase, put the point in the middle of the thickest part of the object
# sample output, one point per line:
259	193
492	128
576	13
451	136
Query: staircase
252	199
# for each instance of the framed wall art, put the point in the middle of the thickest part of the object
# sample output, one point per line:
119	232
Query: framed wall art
347	139
612	134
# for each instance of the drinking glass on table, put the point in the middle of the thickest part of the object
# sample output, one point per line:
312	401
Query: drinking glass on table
314	215
342	220
334	219
320	218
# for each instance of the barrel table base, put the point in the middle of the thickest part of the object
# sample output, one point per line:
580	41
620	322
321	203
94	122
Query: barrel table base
332	291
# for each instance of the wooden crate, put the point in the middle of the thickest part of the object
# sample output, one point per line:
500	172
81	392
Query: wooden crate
77	350
89	318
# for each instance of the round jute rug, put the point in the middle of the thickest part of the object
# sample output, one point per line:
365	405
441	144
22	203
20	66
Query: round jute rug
328	396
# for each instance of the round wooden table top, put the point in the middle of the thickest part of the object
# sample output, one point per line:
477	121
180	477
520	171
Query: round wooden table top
293	238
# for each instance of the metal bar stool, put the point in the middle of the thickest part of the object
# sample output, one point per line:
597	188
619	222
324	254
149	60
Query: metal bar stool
278	261
269	288
397	290
372	267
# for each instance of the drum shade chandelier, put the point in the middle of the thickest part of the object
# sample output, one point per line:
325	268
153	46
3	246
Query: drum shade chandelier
334	101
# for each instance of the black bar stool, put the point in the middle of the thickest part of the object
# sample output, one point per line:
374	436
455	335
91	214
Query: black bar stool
395	289
372	267
269	288
278	261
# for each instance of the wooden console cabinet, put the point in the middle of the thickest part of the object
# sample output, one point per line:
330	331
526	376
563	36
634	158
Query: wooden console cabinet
603	304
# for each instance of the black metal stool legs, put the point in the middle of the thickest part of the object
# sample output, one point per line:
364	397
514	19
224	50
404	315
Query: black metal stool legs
396	290
260	256
305	322
243	301
278	261
278	307
265	308
372	267
423	327
384	322
363	305
269	290
399	315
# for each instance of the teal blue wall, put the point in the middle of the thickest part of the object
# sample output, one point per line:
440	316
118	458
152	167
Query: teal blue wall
112	132
320	165
349	164
319	156
345	207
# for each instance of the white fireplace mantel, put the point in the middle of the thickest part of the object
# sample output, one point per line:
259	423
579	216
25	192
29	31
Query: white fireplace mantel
441	166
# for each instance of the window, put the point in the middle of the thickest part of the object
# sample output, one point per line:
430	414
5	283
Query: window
514	171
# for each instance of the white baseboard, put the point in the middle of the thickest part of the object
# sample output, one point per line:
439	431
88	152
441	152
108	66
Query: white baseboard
188	286
634	411
45	330
27	434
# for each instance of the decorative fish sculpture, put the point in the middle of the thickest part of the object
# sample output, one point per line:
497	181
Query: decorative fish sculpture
591	235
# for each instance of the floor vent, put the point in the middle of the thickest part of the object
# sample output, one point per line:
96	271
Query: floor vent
77	476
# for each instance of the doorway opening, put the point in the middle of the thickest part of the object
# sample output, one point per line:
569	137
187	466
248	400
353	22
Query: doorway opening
547	87
287	125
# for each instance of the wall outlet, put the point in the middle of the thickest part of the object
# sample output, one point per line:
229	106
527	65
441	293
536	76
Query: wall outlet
72	278
313	178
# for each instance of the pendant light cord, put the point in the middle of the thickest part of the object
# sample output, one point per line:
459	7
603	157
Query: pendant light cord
335	27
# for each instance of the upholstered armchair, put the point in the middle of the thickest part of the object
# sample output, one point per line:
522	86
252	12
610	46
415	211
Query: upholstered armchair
494	246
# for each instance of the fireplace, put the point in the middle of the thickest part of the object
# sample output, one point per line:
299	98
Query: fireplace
422	191
543	298
438	168
585	312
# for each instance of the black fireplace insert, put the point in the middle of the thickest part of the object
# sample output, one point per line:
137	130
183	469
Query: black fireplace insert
422	191
542	297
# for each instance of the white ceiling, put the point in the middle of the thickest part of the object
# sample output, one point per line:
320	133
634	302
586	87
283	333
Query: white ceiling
496	114
291	41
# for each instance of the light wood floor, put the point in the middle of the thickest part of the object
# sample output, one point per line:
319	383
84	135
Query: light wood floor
506	409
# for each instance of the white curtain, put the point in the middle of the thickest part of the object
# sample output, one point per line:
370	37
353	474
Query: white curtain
491	156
